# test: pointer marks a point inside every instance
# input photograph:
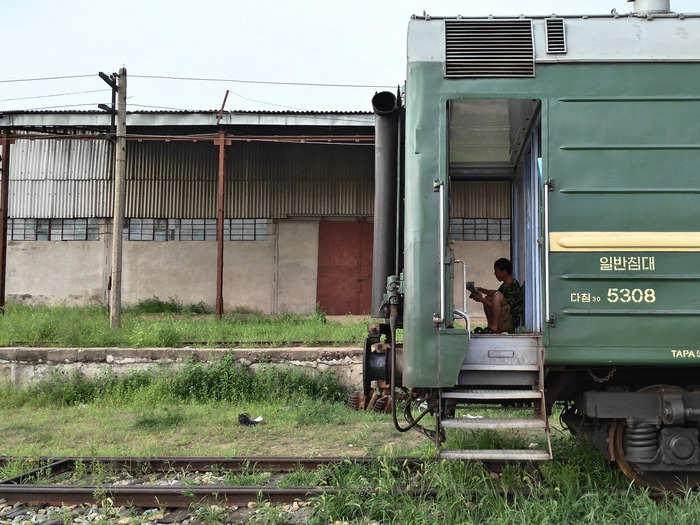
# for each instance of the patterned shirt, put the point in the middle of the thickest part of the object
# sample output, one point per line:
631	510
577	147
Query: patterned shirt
513	296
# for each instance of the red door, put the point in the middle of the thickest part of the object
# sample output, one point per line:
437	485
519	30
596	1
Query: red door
344	267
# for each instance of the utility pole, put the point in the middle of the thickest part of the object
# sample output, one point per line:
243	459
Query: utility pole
4	198
115	297
111	81
222	143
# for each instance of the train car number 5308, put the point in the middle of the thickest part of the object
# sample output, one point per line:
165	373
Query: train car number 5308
635	295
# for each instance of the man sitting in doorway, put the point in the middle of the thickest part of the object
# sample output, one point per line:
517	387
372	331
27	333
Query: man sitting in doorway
503	307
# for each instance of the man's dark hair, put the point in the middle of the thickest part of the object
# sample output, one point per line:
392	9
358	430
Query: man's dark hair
505	265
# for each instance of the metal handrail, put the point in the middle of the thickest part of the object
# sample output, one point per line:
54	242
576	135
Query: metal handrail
548	186
464	283
463	315
441	248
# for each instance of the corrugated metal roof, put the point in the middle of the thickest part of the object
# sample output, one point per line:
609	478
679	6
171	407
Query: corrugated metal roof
205	118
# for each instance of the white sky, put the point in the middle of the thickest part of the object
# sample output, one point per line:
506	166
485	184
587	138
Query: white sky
331	41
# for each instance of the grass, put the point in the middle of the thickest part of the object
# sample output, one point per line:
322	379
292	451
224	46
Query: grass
224	381
156	323
193	411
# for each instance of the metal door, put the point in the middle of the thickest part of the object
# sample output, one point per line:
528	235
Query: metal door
344	267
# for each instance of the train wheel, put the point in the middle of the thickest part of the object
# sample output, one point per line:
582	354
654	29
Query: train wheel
663	481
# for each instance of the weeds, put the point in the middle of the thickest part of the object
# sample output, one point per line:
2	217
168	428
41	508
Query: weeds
159	420
156	323
155	305
224	380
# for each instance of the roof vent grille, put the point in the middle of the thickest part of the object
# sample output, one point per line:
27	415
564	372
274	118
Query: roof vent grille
489	48
556	36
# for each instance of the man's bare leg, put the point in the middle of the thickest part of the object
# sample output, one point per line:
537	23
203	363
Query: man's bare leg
496	312
488	312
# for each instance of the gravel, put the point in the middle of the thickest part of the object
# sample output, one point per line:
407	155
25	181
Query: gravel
20	514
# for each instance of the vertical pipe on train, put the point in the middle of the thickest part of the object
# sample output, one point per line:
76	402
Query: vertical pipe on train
386	136
644	7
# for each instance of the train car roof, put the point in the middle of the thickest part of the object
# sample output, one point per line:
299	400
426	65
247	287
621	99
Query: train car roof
661	37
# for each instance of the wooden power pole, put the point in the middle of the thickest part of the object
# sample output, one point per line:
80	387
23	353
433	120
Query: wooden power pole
115	297
222	143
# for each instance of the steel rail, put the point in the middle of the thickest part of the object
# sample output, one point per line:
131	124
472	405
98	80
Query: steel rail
146	496
184	496
196	463
19	489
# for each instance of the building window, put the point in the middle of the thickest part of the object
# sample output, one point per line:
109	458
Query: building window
136	229
479	230
245	229
53	229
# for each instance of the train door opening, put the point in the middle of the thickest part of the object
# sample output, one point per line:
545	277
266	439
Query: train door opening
499	141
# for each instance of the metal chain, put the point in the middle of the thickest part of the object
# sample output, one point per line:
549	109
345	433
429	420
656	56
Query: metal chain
602	379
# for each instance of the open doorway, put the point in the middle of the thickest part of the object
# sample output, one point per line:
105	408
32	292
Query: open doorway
499	141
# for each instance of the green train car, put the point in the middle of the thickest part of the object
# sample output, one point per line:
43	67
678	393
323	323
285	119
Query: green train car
595	121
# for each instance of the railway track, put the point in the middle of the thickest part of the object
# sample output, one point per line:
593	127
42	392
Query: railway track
21	489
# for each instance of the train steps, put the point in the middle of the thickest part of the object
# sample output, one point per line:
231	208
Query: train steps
516	384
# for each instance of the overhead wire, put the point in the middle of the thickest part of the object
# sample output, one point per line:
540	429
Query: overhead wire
34	79
57	107
268	82
54	107
211	79
318	114
56	95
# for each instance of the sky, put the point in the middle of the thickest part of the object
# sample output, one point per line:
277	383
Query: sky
313	41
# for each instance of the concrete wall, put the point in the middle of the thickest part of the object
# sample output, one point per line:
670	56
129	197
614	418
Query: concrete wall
52	272
297	266
479	256
22	366
186	270
275	275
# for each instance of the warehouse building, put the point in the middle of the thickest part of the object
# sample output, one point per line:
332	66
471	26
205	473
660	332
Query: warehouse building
298	211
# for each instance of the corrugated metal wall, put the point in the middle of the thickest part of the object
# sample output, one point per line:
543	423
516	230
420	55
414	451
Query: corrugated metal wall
485	200
70	179
60	178
267	180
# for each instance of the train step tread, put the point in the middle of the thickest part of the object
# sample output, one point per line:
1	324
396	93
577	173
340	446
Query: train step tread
483	393
493	423
511	455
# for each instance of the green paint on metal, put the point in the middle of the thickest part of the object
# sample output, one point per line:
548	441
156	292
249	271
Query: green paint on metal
624	153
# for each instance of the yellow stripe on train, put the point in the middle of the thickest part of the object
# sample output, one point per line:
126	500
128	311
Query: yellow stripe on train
624	241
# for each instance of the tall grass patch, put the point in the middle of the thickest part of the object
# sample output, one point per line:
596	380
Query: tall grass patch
224	381
156	323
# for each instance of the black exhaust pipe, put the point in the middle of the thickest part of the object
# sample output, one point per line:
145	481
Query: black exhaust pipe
386	136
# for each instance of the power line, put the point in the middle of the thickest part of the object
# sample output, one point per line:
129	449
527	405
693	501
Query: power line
20	110
55	95
160	107
207	79
45	78
292	108
268	82
53	107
